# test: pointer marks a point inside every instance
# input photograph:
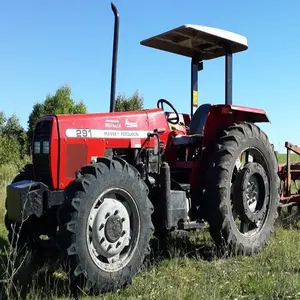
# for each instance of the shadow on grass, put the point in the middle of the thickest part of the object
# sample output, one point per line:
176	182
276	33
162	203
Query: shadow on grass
3	243
41	275
181	245
289	218
3	246
37	275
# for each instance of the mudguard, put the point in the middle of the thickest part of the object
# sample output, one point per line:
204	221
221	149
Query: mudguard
219	117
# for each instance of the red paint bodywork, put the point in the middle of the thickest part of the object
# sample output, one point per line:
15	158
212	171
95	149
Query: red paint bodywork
147	120
218	118
222	116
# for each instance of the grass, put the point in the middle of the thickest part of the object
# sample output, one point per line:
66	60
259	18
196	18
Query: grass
194	273
282	158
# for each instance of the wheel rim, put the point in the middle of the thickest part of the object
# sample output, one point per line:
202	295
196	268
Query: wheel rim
251	218
113	228
252	193
255	193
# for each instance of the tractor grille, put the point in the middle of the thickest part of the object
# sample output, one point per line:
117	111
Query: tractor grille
41	150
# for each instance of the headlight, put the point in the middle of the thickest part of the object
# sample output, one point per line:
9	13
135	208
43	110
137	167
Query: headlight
46	147
37	147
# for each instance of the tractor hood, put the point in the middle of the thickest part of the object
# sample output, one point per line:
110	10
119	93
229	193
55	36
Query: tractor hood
111	125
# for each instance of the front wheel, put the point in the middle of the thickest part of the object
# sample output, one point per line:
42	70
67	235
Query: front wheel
105	224
242	190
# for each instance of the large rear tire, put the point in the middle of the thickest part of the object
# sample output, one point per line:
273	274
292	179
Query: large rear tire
242	193
105	224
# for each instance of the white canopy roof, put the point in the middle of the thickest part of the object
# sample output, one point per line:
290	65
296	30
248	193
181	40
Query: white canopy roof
192	40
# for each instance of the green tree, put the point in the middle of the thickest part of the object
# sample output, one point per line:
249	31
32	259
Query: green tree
14	130
12	126
59	103
133	102
10	151
13	140
2	121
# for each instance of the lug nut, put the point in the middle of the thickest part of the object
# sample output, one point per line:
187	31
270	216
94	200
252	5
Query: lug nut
123	233
118	244
102	240
123	219
107	215
101	226
116	212
109	247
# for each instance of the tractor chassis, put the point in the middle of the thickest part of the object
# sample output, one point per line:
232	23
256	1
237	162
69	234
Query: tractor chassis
33	200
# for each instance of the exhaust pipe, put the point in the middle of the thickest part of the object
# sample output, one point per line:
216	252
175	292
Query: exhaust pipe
114	59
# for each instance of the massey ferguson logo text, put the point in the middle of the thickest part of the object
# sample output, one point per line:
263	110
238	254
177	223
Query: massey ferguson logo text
100	133
130	124
121	134
112	124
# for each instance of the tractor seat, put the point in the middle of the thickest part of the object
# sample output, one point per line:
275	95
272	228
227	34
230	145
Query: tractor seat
196	127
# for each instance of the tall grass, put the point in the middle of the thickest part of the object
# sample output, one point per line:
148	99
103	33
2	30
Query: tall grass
7	173
187	272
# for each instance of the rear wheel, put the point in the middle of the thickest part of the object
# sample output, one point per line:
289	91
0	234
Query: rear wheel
105	224
242	194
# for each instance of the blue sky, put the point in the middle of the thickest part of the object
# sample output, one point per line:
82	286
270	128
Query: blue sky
45	44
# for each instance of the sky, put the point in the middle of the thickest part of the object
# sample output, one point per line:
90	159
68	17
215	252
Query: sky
46	44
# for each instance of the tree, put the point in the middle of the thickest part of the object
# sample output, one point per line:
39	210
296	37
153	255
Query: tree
2	121
13	140
12	126
134	102
10	151
14	130
59	103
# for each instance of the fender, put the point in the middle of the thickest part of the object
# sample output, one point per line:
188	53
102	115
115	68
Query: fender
221	116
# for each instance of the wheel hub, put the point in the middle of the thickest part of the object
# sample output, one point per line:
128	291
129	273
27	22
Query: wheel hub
251	192
110	229
113	228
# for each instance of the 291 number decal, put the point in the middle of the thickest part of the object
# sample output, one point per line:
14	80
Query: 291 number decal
83	132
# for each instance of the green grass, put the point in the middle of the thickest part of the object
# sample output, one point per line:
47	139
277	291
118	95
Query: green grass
194	273
294	159
282	158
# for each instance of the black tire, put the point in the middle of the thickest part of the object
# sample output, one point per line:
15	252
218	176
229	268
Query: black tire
73	217
217	203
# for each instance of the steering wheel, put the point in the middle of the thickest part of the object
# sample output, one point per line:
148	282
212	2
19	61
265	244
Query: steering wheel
173	120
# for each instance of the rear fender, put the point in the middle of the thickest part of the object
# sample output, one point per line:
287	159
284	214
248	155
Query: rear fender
221	117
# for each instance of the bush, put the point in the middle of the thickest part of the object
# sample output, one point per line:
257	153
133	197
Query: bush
11	152
7	173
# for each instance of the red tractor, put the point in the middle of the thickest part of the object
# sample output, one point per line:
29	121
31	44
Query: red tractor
101	184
